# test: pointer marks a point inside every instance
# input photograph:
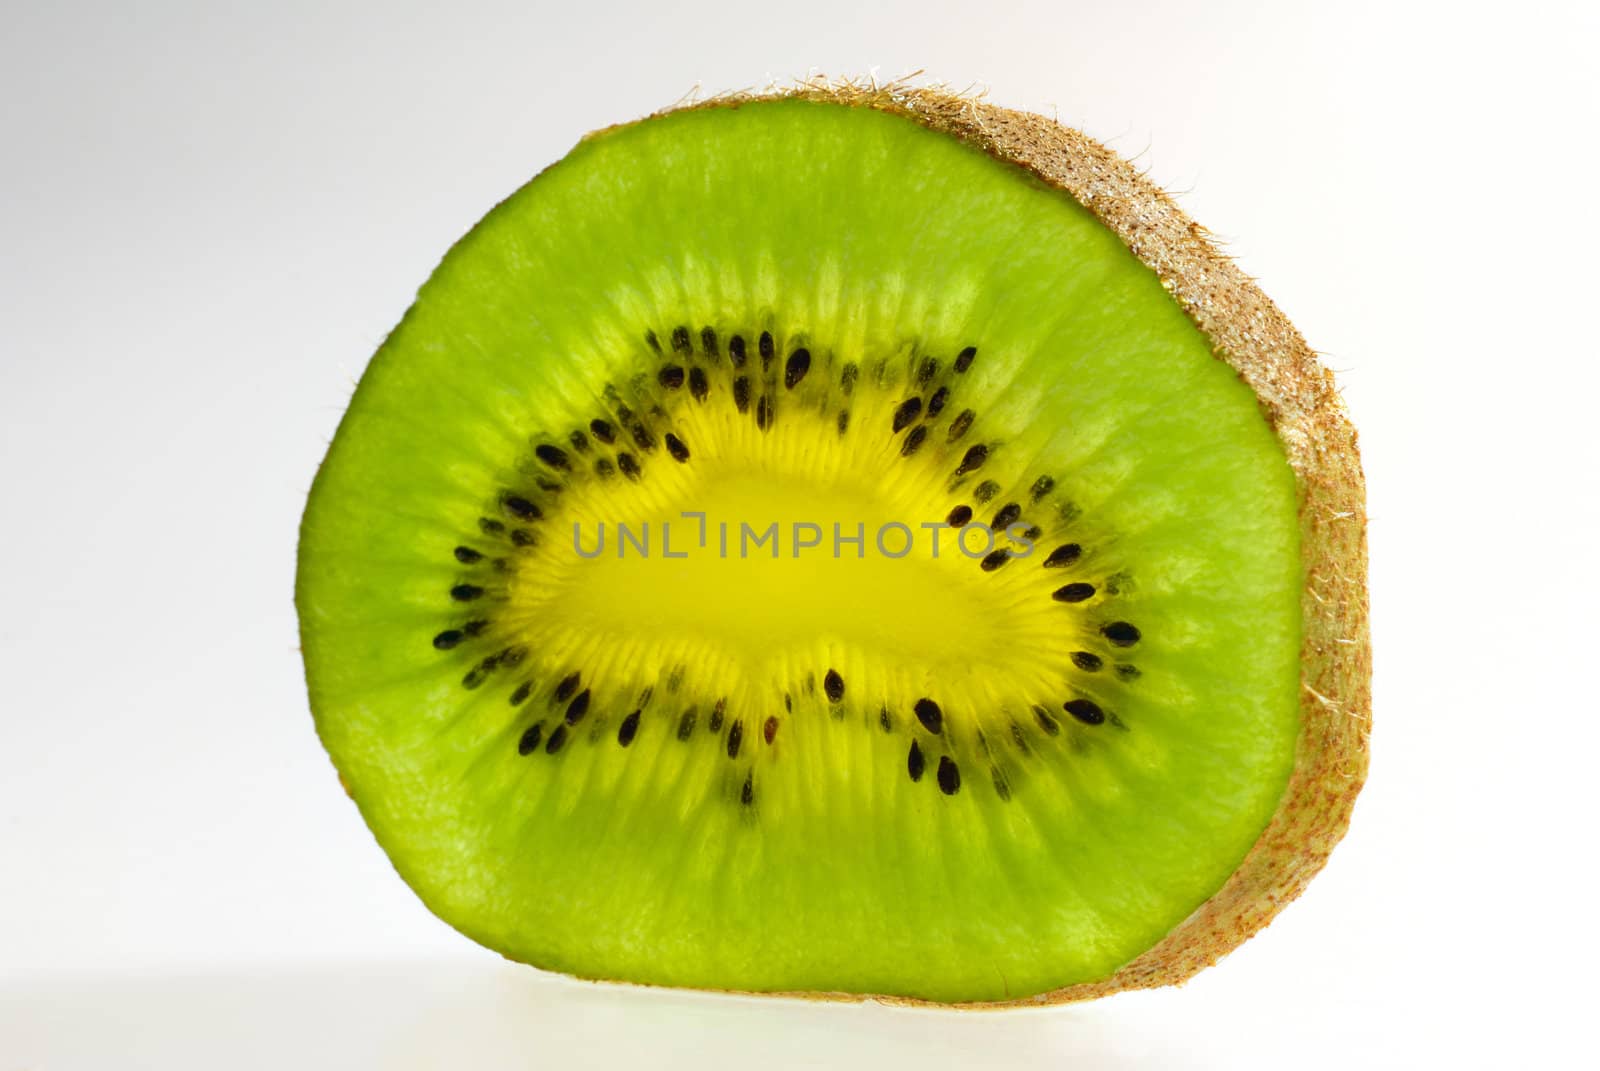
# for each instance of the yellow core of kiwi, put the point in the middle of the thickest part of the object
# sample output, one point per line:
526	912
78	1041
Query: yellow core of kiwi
798	545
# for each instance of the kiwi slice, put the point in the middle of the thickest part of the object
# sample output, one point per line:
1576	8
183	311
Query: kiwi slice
846	541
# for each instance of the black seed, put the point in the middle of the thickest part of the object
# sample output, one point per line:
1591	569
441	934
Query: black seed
1046	722
769	729
680	340
523	538
959	426
1087	661
1063	555
629	727
788	702
844	421
699	385
472	628
1120	633
466	555
578	708
604	469
513	656
641	436
914	440
1041	487
676	448
833	685
530	740
686	724
708	341
959	516
553	456
521	508
1126	672
1032	533
671	377
915	762
795	369
1073	592
985	491
490	527
520	696
747	794
579	441
763	413
568	686
736	350
994	560
964	358
925	374
929	714
766	348
1085	711
936	403
448	638
949	776
478	673
972	460
1007	516
1001	789
1018	738
465	592
717	711
847	379
603	431
741	393
624	414
655	343
735	736
628	465
557	737
906	412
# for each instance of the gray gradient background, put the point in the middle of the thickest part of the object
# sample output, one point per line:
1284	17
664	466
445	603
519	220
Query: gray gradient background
211	214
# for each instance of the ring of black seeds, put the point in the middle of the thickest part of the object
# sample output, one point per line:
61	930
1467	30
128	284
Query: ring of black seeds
913	416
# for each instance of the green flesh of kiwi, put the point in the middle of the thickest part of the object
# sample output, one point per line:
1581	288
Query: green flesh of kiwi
618	697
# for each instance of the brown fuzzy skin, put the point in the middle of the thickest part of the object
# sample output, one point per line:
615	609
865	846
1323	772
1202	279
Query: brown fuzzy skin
1299	400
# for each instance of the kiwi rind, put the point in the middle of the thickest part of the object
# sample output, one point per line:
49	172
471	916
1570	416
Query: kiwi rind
1300	402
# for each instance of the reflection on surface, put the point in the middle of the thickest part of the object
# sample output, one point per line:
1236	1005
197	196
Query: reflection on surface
456	1015
471	1016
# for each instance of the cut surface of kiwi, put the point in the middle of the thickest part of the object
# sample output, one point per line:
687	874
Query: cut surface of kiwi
844	542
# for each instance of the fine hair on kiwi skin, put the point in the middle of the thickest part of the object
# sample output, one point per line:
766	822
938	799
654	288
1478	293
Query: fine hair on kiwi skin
1298	401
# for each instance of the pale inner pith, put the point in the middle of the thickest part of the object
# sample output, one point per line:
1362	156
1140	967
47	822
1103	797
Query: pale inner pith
758	593
821	551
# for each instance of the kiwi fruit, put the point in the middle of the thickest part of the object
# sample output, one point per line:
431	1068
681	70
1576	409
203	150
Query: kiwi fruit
849	541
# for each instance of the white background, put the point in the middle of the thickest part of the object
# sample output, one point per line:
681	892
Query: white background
211	214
